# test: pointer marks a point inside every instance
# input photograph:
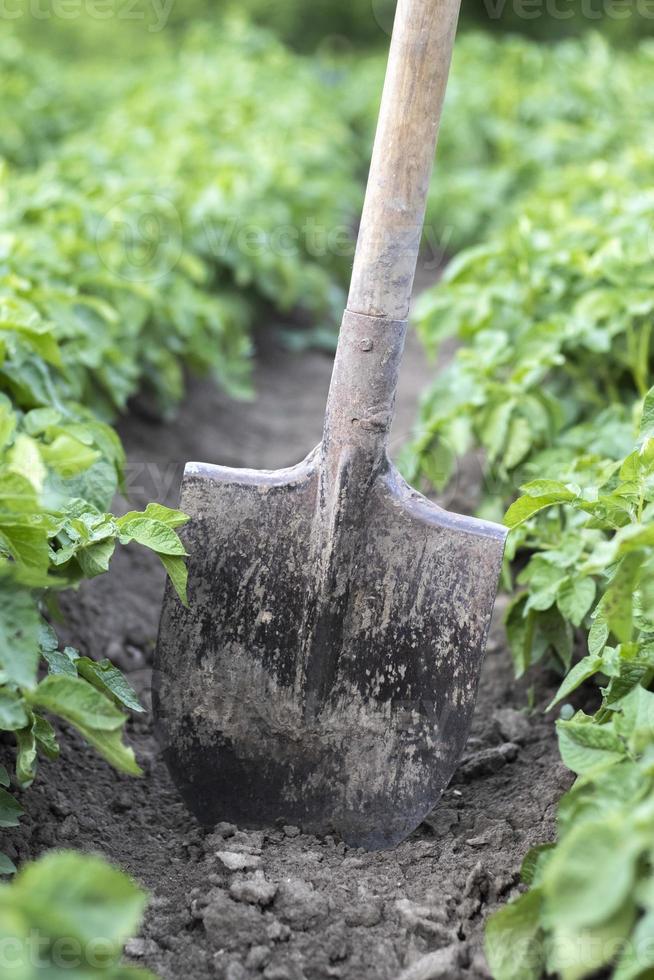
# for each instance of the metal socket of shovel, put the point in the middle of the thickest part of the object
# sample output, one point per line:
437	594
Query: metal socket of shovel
326	670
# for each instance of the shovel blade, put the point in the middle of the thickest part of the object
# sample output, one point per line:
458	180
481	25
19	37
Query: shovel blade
363	744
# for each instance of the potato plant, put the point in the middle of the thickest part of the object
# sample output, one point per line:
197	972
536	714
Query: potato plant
552	383
589	903
120	266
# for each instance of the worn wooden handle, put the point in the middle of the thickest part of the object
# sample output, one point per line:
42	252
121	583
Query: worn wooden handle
394	210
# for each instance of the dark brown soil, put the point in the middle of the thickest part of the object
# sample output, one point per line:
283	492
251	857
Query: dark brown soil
299	907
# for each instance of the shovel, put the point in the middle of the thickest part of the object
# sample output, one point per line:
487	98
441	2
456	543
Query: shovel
326	670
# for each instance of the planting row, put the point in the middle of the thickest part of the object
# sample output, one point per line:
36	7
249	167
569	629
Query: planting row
552	382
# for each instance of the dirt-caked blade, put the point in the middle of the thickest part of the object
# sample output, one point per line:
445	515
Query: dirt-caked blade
338	706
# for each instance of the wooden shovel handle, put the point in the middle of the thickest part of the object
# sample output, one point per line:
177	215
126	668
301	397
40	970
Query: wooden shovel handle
402	160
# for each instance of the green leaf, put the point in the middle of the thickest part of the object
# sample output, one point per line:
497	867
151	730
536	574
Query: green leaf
7	866
151	533
518	444
637	959
25	459
534	862
519	631
4	777
576	952
81	897
496	427
157	512
574	678
59	663
514	941
524	508
26	757
618	600
439	463
108	679
530	504
112	748
634	719
10	811
77	701
178	574
46	738
591	873
94	715
12	711
19	635
598	635
552	633
94	560
646	430
7	421
586	747
575	597
68	456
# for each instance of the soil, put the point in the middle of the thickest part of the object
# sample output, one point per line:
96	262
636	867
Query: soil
234	905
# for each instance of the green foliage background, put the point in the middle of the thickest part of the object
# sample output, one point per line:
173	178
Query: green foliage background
139	239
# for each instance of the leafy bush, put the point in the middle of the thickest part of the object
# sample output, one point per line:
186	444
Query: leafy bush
69	915
590	901
42	102
554	315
